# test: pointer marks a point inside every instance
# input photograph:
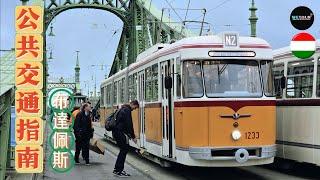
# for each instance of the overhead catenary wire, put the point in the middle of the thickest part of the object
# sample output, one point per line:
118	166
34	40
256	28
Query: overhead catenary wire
188	6
112	36
174	10
219	5
214	8
231	25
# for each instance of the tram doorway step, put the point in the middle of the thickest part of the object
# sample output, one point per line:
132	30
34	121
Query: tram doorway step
162	162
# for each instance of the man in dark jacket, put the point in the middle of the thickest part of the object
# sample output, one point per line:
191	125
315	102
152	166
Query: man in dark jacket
83	132
122	132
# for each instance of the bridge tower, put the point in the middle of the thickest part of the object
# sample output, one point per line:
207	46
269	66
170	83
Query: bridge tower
77	74
253	19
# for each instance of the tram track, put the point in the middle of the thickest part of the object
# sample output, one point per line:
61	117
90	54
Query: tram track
181	172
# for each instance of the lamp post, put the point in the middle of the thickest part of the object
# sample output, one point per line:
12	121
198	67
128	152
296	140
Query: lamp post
86	84
50	55
24	2
51	31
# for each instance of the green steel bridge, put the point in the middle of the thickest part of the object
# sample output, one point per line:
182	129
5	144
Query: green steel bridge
7	67
144	26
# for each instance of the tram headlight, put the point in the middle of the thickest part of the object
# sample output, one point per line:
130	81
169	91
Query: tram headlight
236	135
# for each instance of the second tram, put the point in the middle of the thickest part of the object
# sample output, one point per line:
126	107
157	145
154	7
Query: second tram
297	84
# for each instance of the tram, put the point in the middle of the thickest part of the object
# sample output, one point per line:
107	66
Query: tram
204	101
297	86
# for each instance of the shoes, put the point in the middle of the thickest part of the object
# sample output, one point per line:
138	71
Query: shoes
88	164
125	174
121	174
77	161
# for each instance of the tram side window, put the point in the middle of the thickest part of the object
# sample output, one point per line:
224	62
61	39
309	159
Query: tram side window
300	79
108	92
178	78
132	87
148	84
318	79
155	82
278	73
152	83
102	96
135	87
267	75
192	79
115	94
121	90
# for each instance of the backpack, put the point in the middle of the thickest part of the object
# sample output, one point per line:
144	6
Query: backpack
111	121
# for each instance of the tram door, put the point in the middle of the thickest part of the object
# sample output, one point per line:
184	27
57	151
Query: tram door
141	97
167	118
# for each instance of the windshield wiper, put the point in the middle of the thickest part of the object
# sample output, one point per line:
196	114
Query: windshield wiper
221	71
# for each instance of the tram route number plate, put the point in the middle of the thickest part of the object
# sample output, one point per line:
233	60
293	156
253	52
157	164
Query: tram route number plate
231	40
252	135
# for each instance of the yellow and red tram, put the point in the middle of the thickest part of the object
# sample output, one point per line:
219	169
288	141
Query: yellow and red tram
204	101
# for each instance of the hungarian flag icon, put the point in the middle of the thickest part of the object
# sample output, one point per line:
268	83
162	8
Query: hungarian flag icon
303	45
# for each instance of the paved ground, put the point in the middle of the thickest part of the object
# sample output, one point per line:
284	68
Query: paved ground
179	172
142	169
101	169
12	175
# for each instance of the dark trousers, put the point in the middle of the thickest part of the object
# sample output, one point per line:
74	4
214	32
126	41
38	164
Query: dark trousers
82	143
124	148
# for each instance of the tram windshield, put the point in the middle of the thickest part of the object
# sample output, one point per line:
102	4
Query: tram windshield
232	78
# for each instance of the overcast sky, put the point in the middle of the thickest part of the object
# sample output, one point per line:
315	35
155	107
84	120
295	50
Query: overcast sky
91	31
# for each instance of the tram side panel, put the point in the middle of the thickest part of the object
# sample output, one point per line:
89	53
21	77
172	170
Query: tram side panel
153	127
104	113
102	116
298	137
191	127
136	123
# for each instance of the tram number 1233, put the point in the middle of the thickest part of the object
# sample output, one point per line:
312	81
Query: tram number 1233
252	135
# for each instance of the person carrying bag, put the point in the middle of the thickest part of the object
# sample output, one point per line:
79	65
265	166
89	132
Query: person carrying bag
121	125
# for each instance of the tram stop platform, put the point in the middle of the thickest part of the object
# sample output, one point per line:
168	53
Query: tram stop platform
100	169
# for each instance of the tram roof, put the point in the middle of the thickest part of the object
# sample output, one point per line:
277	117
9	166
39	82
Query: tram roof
204	42
211	41
218	39
285	51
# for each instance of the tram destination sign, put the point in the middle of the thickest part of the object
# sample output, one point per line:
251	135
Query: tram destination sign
231	53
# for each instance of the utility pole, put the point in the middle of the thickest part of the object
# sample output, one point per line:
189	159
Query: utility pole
253	19
95	85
